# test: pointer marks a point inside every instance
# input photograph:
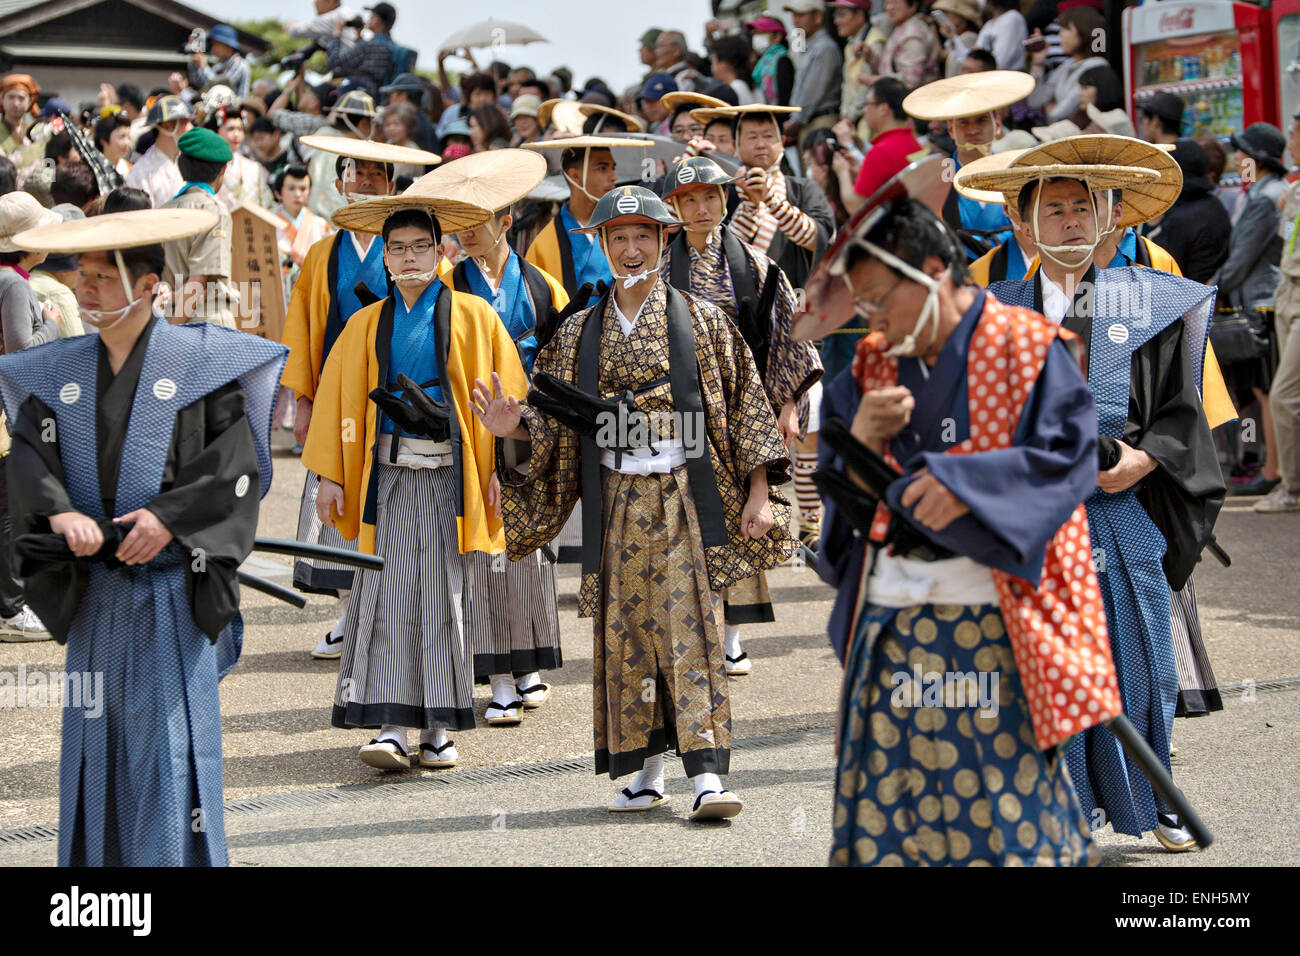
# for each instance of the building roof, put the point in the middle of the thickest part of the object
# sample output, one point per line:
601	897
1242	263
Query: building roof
20	15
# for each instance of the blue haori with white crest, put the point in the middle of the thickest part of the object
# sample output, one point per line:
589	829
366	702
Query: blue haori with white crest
140	785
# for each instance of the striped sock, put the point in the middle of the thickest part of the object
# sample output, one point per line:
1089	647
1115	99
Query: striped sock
810	504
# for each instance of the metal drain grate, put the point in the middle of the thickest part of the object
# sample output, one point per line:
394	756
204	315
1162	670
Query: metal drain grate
28	834
1261	686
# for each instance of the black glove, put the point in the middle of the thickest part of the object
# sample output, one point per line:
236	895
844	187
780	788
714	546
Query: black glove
435	415
571	406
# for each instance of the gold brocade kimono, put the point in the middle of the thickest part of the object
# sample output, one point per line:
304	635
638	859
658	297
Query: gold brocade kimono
659	676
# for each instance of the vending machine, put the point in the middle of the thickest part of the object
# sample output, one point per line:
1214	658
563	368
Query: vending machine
1217	55
1286	15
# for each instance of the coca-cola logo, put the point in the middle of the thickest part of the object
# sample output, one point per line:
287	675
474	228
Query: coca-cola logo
1177	20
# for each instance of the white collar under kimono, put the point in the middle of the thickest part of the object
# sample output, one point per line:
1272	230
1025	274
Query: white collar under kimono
1055	302
623	321
362	251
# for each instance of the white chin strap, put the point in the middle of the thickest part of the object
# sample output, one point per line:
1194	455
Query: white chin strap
414	277
929	312
984	149
582	186
482	260
1051	251
630	280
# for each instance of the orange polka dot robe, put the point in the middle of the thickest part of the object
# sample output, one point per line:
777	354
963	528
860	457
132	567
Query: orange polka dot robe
1057	627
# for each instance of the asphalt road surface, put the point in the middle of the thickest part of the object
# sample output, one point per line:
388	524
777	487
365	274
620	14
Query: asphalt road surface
296	792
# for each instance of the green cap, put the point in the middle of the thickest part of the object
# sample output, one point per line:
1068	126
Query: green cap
206	145
649	37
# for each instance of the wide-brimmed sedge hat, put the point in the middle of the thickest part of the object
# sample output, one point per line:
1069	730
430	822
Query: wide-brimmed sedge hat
1148	177
369	215
587	141
118	230
492	179
369	151
675	100
828	299
20	212
634	124
971	94
624	205
693	173
984	164
708	114
564	114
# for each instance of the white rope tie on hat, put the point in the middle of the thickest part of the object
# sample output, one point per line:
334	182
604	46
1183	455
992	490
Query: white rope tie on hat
98	317
632	279
929	311
582	187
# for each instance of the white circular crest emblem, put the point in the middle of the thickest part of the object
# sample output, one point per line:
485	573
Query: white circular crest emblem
628	204
1117	333
687	175
164	389
241	486
69	393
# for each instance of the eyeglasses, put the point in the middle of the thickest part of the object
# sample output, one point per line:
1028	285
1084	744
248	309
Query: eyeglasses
419	247
694	129
868	307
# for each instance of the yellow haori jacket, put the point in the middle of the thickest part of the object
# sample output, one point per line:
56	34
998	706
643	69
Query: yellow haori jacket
304	321
1214	391
344	426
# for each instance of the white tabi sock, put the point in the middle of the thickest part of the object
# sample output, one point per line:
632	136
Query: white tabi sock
338	628
531	679
731	641
503	689
651	776
396	734
707	781
437	736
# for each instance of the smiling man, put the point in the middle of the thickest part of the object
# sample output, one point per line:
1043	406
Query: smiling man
405	470
666	523
977	558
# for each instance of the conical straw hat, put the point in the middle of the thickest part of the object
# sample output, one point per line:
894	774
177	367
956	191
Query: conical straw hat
635	124
369	215
1143	199
587	142
492	179
568	118
675	100
370	151
119	230
971	94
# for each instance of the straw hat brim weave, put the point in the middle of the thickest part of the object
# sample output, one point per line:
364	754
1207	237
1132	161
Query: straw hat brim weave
492	179
369	215
1010	181
587	142
119	230
635	123
370	151
1143	200
972	94
675	100
982	165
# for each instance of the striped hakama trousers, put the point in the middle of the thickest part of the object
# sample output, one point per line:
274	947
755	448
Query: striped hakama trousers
406	659
511	615
1198	691
311	575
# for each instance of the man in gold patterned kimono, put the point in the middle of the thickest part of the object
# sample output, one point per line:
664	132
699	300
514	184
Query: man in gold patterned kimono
707	259
686	503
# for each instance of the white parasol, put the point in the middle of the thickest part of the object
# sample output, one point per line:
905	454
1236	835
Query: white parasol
491	32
